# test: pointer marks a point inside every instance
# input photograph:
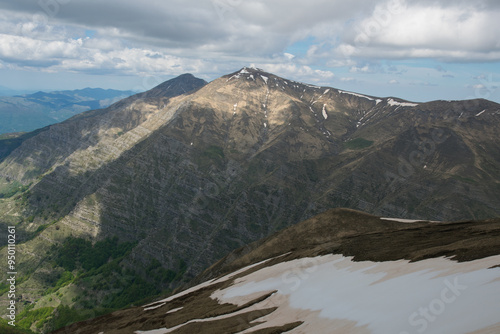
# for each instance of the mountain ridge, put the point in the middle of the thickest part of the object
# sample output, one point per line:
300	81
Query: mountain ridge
21	113
188	178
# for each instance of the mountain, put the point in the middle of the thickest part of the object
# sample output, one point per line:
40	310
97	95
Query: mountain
342	271
32	111
5	91
130	201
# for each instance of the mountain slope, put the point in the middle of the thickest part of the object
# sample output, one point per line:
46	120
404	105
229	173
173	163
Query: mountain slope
33	111
181	180
341	271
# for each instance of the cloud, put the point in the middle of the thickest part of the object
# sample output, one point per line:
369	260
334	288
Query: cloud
445	30
298	72
218	36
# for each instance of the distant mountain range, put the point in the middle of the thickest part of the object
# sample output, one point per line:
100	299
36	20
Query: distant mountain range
119	204
23	113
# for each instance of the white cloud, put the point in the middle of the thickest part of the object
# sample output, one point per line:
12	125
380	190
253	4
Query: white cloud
458	31
298	72
210	38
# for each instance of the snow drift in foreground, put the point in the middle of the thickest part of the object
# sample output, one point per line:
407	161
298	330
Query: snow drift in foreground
332	293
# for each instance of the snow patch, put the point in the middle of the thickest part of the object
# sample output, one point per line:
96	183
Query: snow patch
382	296
401	220
175	310
325	115
481	113
208	283
392	102
264	78
356	94
154	307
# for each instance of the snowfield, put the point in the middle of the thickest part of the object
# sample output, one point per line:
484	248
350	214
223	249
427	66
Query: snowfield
332	293
392	102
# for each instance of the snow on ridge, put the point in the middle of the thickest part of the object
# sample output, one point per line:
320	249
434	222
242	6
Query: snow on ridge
375	294
175	310
402	220
481	112
356	94
392	102
210	282
264	78
154	307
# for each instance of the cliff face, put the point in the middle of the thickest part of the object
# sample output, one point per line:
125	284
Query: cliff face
188	178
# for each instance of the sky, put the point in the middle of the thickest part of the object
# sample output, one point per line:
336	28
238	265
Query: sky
418	50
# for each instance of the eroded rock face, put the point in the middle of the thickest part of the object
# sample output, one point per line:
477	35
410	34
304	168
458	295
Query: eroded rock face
193	176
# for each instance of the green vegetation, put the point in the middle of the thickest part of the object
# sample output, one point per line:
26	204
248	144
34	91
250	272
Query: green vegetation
65	315
3	288
464	179
358	144
9	189
9	142
65	279
5	328
95	281
78	252
39	316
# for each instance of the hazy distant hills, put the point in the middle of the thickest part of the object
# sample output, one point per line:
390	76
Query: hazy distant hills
32	111
161	184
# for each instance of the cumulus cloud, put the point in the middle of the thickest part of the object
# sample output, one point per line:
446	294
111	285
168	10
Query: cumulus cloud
451	31
301	72
177	36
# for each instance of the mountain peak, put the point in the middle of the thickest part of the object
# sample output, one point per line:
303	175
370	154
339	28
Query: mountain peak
184	83
249	73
